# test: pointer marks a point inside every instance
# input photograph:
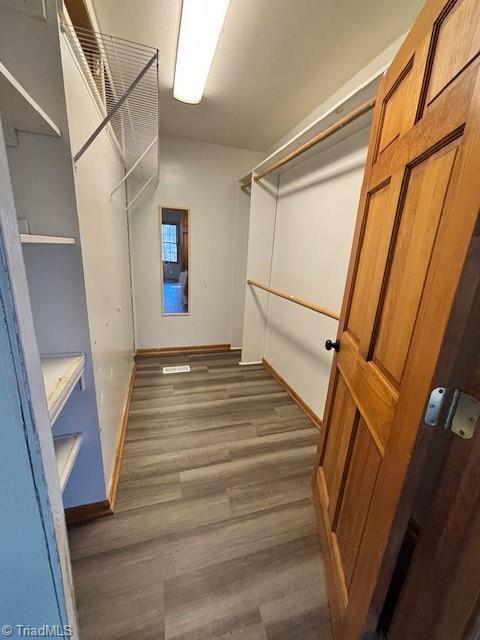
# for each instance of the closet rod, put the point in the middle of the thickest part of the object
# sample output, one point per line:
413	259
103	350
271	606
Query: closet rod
323	135
304	303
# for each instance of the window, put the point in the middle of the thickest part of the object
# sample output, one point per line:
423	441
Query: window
169	243
173	238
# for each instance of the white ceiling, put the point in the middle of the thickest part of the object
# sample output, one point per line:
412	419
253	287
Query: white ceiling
276	61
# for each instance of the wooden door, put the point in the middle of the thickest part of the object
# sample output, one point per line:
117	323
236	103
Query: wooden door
419	204
440	599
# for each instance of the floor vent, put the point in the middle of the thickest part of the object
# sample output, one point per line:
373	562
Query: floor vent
184	368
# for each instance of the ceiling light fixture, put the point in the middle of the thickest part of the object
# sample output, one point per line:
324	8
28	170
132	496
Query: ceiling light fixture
200	27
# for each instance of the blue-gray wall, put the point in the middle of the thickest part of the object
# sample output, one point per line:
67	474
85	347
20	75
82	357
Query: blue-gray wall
31	592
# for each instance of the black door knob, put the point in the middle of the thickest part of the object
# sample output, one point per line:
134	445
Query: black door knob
329	345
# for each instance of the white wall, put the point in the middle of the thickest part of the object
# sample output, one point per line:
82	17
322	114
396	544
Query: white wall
105	253
380	62
263	206
311	233
316	213
203	178
239	271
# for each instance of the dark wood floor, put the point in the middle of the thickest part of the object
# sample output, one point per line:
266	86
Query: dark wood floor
214	536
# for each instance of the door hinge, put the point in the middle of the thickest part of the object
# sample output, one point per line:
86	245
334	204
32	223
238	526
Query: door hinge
453	409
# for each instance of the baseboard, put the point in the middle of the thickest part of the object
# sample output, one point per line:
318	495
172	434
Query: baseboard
113	488
85	512
246	364
197	348
309	412
336	587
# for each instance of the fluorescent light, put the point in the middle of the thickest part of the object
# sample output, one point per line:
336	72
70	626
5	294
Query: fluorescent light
200	27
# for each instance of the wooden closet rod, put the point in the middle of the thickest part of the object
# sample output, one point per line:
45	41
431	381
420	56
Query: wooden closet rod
323	135
304	303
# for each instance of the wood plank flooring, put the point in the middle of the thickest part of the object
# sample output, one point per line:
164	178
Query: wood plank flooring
214	535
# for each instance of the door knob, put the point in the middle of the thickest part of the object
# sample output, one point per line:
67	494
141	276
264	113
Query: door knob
329	345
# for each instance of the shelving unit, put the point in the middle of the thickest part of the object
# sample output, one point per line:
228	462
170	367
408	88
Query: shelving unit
66	451
19	110
26	238
60	375
38	185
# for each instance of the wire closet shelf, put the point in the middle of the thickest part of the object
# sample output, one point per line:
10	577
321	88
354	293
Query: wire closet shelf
123	78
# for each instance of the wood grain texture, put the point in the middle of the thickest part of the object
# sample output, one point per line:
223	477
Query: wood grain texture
393	113
426	190
112	491
316	420
373	393
372	258
441	596
417	213
85	512
450	54
344	413
196	348
296	300
360	481
213	536
337	588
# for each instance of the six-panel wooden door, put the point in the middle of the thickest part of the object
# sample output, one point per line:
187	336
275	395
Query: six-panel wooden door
419	204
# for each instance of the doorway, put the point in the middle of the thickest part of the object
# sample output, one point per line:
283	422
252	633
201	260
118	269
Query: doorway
174	242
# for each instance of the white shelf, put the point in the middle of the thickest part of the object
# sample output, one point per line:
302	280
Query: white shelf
66	451
26	238
19	110
60	375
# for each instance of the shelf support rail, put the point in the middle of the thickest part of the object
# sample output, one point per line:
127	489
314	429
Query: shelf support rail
300	301
140	191
116	107
323	135
134	166
123	78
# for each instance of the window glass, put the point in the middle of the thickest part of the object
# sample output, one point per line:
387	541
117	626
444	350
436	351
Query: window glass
169	243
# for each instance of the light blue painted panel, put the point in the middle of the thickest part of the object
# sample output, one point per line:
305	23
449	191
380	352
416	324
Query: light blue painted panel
28	593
